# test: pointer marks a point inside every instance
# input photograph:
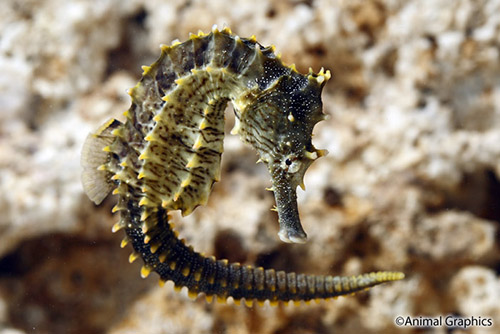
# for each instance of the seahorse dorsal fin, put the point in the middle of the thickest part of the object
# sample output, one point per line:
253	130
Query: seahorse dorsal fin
96	180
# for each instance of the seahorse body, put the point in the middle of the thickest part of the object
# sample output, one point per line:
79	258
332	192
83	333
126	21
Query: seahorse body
166	156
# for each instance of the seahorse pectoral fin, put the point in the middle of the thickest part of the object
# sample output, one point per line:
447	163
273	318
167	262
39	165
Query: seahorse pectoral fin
285	194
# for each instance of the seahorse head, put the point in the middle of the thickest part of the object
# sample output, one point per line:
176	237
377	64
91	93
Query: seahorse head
281	124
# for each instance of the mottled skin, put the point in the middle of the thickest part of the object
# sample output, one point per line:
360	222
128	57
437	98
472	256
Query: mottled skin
166	156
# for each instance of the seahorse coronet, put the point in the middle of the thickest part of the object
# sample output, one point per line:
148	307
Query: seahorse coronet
166	156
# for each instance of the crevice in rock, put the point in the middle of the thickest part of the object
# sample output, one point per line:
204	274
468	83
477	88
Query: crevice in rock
126	56
282	258
66	284
228	245
478	193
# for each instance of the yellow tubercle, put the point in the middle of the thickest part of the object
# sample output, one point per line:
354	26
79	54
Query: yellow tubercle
203	125
144	215
180	81
198	143
145	69
154	248
116	227
145	201
193	162
186	181
192	294
227	30
320	79
124	243
150	137
311	155
177	195
164	47
118	132
133	256
322	153
162	258
145	271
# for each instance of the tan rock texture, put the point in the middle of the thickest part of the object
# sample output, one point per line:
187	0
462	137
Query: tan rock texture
411	183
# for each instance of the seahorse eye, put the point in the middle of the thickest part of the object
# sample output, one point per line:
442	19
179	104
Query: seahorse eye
291	164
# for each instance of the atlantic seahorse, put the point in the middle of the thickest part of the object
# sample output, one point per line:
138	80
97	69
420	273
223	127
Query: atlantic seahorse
166	156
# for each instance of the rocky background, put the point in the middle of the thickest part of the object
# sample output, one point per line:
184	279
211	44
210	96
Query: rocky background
411	183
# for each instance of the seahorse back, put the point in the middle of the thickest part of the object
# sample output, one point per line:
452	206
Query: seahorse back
185	91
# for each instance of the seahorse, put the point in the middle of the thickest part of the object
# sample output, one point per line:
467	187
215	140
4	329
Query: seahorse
166	156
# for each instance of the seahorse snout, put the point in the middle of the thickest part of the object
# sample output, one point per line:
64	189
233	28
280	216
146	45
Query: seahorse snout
285	194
